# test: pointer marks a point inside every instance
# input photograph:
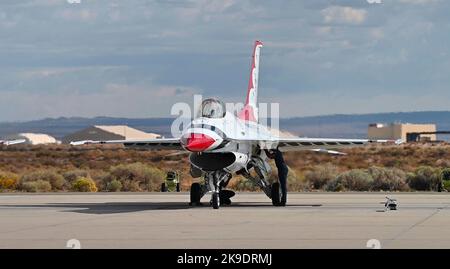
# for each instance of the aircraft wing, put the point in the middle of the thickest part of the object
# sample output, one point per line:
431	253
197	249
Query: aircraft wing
157	143
12	142
316	144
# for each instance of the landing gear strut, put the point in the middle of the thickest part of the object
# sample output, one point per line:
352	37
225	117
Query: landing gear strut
260	179
274	191
216	180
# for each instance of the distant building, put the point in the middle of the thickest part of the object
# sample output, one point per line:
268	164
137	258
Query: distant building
407	131
36	139
103	132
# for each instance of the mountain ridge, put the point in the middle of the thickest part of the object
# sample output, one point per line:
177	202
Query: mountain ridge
335	125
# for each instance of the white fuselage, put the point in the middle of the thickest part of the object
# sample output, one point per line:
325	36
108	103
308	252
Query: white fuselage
230	135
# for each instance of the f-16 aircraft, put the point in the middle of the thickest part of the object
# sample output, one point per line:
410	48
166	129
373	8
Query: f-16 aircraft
12	142
221	144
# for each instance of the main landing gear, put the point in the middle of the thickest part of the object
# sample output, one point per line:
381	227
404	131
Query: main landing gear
277	195
274	191
196	194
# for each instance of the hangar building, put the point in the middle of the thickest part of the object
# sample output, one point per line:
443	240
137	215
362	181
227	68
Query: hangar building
106	132
404	131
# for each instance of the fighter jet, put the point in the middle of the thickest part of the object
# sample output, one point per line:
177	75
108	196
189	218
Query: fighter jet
222	144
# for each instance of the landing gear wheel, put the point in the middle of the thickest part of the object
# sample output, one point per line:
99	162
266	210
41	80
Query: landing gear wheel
163	187
215	200
276	194
178	187
196	194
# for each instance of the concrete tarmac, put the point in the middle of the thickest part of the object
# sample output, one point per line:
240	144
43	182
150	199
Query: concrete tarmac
157	220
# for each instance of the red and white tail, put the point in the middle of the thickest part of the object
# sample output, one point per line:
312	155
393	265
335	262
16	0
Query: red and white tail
250	110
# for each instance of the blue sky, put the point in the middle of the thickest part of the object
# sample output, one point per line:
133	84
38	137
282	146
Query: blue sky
135	58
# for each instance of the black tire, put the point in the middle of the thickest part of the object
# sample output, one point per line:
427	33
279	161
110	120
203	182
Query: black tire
178	187
196	194
276	194
163	187
215	200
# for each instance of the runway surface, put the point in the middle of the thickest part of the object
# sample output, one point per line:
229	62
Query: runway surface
143	220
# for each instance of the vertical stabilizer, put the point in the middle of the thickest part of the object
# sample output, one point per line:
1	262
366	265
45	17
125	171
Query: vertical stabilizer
250	110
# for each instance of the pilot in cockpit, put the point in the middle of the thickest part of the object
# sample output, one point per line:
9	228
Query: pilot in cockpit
212	108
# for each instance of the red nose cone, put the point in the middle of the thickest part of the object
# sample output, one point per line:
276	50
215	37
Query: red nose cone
199	142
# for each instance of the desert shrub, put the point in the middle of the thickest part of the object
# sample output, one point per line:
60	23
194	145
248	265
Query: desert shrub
243	184
101	179
388	179
84	184
134	186
353	180
56	180
446	174
36	186
425	178
114	186
321	175
136	177
335	185
296	181
446	185
8	181
442	163
72	175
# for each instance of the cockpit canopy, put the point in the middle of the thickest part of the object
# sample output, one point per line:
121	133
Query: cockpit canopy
212	108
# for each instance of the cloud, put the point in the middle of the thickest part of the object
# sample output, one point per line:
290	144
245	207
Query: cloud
420	2
136	57
81	15
151	91
60	71
346	15
377	33
305	104
119	100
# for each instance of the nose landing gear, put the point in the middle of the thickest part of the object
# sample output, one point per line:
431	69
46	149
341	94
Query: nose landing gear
214	182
